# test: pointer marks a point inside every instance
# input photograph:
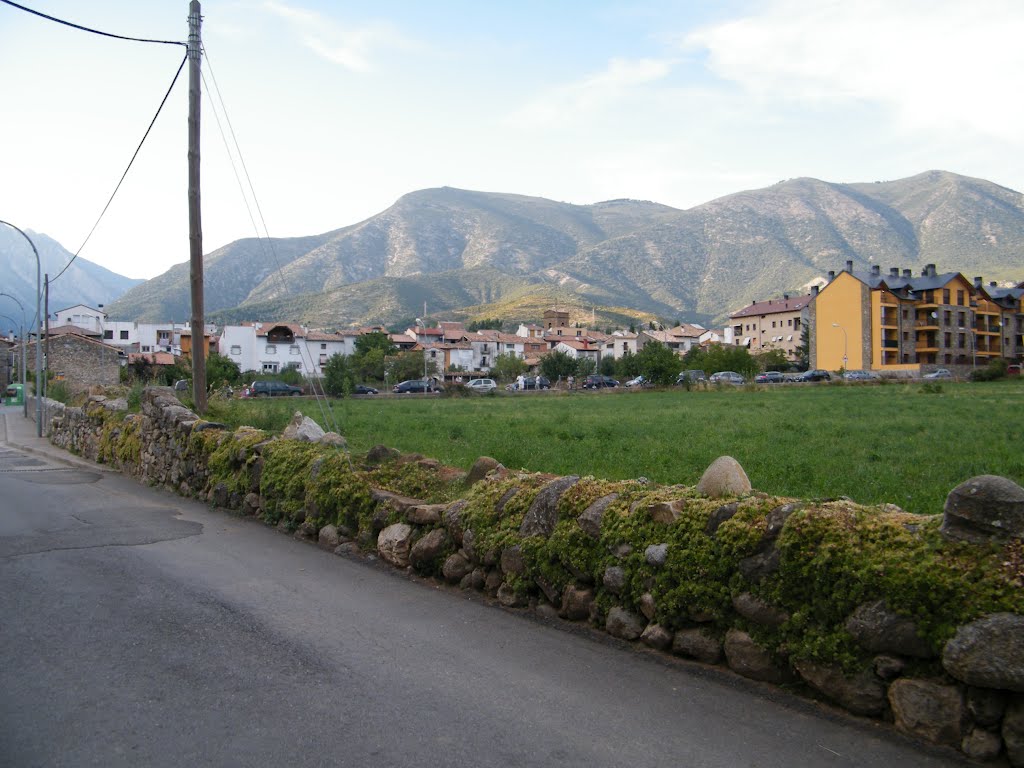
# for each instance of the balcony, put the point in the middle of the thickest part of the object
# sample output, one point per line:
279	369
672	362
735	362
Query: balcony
890	344
926	346
930	323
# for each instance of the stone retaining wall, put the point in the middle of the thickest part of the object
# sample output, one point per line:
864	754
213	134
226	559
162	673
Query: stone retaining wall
928	635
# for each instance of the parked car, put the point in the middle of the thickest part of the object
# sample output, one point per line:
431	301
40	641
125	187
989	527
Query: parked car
639	382
816	374
693	377
770	377
597	381
938	373
272	389
413	386
363	389
726	377
483	385
861	376
536	382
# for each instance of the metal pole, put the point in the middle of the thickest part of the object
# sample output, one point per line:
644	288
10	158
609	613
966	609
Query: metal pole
37	322
195	227
46	344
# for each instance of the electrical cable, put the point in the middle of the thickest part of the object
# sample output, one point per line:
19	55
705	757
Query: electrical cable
90	29
307	357
130	162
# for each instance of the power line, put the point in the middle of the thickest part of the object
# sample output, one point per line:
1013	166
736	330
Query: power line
89	29
130	162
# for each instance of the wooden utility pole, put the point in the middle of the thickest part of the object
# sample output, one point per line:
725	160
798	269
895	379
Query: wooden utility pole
195	226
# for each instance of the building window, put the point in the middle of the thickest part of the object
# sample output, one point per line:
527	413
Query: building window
124	335
947	317
270	367
108	334
960	298
323	346
323	359
293	349
945	295
236	349
271	350
146	348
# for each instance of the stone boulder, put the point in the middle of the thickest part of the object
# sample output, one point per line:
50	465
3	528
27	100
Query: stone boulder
452	518
428	548
455	567
481	468
984	508
656	555
749	659
614	578
425	514
624	624
862	694
988	653
512	560
1013	732
719	516
928	710
541	518
334	440
380	454
576	603
725	477
697	644
303	429
590	519
666	512
328	537
510	598
394	543
982	745
657	637
879	630
759	611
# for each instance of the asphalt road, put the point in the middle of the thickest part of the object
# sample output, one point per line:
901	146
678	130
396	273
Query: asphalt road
140	629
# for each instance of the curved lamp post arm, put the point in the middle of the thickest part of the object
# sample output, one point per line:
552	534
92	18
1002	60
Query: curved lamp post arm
38	323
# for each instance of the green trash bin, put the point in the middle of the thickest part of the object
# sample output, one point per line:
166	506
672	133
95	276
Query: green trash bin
14	395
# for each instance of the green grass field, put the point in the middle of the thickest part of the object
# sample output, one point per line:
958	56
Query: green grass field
899	443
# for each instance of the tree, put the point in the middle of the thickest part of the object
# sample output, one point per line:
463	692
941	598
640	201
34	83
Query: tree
221	371
584	367
507	367
626	366
487	324
658	363
803	352
607	366
367	342
557	364
772	360
718	357
407	365
338	376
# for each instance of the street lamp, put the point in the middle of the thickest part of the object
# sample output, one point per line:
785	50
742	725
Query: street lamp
837	325
24	354
38	322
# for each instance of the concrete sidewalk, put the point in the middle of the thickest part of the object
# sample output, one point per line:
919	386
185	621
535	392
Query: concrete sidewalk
18	432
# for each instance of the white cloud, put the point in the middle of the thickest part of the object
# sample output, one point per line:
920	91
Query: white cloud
592	94
352	46
939	67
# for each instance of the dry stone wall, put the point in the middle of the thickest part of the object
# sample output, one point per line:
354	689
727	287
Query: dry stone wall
928	635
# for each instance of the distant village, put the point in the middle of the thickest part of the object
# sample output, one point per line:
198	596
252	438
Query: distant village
886	322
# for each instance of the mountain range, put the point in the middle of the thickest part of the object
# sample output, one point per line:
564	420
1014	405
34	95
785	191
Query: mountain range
471	255
83	283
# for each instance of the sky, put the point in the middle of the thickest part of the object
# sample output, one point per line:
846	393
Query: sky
340	108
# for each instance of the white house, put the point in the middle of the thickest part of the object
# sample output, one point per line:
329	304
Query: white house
487	345
579	349
619	344
81	315
321	347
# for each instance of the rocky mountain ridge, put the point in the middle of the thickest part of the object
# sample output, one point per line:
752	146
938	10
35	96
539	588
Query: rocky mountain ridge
465	252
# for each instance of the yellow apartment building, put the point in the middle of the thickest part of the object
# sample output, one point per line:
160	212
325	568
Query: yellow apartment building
899	321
